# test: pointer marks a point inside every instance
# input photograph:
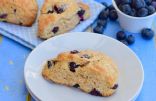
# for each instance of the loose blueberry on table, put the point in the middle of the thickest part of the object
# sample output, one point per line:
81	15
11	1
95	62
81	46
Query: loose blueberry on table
108	12
130	39
121	35
113	15
98	29
137	8
127	40
102	22
147	33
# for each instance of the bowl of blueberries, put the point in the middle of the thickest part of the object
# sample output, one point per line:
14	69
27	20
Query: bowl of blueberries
134	15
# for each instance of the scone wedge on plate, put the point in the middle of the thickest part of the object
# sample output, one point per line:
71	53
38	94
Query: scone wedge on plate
20	12
92	72
60	16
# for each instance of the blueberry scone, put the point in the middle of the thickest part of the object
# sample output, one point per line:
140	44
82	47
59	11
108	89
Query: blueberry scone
60	16
20	12
92	72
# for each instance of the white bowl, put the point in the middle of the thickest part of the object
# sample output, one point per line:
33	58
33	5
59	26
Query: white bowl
134	24
131	74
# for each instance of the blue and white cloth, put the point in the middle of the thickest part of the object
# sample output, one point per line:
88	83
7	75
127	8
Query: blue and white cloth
27	35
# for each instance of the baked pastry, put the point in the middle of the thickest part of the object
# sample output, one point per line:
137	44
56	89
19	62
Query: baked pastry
93	72
20	12
60	16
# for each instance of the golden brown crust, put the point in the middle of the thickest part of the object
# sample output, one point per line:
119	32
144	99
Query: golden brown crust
65	20
95	71
21	12
44	21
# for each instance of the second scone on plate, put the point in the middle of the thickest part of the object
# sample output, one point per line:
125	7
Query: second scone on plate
92	72
60	16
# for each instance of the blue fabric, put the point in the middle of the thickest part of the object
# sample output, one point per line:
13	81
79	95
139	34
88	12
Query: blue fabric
13	56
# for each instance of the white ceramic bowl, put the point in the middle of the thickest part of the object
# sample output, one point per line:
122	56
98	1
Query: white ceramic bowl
134	24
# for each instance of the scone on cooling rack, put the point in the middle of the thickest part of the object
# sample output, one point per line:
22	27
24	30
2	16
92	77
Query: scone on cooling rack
92	72
60	16
20	12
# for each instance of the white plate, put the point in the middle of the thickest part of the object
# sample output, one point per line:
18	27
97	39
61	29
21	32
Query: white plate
131	71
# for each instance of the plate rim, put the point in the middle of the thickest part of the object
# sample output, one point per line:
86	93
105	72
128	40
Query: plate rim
101	35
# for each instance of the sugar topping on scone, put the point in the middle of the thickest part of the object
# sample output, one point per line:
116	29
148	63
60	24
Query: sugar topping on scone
20	12
60	16
92	72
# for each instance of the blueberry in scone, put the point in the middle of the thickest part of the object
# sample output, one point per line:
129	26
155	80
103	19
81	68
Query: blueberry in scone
92	72
60	16
20	12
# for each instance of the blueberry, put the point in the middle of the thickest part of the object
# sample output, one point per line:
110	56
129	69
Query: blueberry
3	16
138	4
113	15
50	11
81	12
142	12
55	29
4	21
58	10
95	92
85	56
153	4
49	64
121	35
151	10
104	14
111	7
15	10
74	52
98	29
20	23
130	39
124	42
72	66
133	12
76	86
147	33
81	18
105	4
115	86
102	23
125	1
125	9
148	2
117	2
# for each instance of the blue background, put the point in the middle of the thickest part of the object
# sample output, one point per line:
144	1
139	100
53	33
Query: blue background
13	56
